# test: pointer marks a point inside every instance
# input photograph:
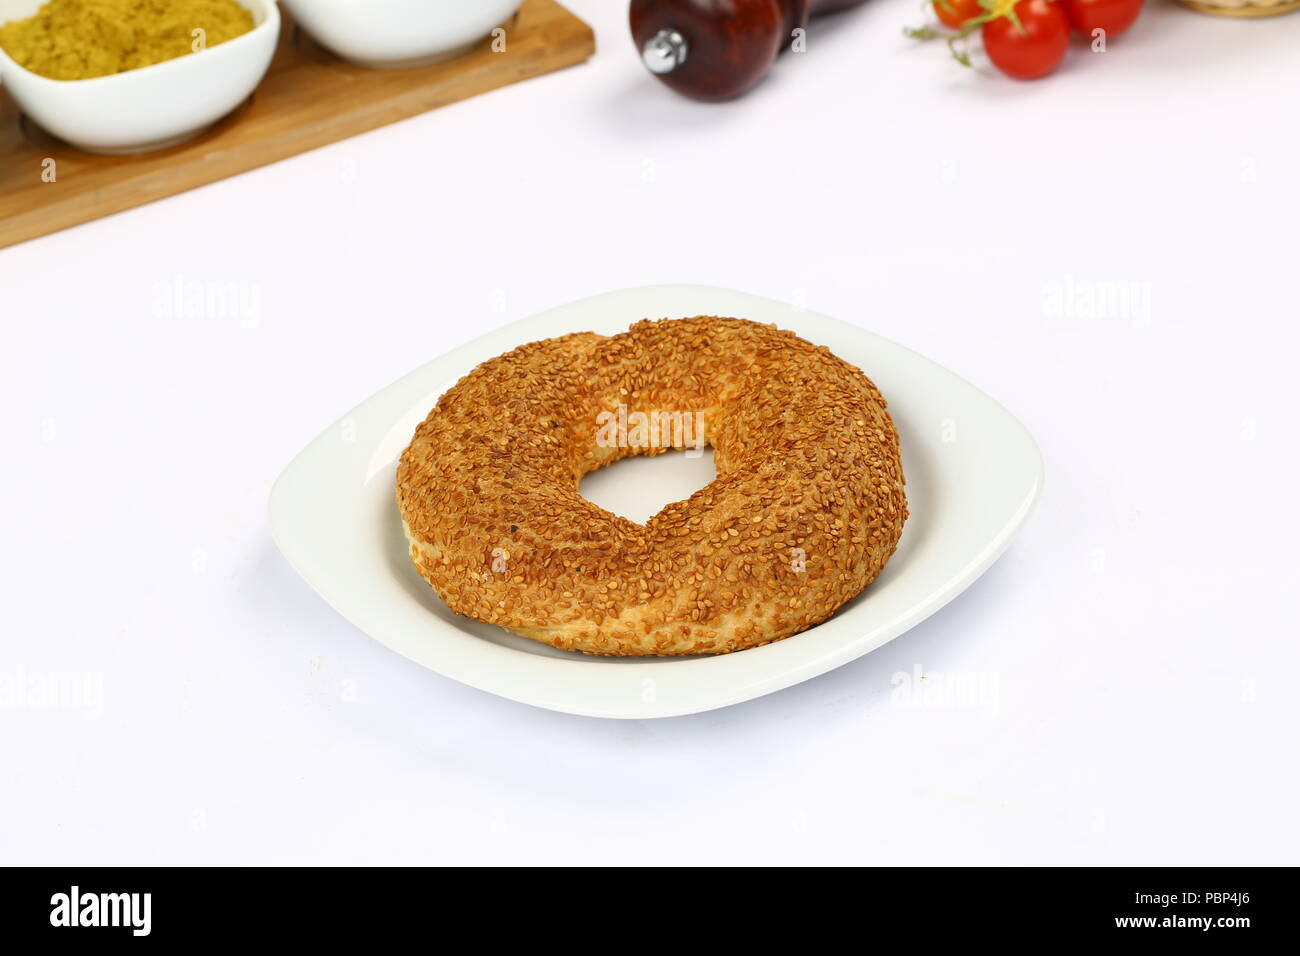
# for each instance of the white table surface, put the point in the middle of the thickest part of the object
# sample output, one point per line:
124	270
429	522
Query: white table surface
1131	650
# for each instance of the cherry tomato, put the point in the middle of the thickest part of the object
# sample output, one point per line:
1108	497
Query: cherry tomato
1113	16
1035	52
955	13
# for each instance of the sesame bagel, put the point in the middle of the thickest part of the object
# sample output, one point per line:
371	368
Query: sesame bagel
807	506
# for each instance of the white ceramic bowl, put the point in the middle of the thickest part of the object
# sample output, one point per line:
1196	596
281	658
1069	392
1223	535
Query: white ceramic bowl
154	106
392	34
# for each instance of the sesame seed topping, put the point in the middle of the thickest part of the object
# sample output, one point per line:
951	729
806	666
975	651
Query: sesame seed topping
804	449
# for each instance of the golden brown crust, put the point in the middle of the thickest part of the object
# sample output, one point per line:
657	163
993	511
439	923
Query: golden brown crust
807	507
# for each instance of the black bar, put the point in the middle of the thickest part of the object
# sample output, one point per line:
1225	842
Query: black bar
1174	905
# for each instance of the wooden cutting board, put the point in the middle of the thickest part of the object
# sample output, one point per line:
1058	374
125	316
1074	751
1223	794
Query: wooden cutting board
308	98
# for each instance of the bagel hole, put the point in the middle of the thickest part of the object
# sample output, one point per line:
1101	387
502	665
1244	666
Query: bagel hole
639	487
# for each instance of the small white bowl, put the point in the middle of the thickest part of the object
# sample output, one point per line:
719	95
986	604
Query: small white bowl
394	34
151	107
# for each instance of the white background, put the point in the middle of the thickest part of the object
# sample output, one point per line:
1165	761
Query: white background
1138	636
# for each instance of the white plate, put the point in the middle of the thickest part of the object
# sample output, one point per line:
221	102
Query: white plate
973	473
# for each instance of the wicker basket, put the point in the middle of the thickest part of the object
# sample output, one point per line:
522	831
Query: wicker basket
1244	8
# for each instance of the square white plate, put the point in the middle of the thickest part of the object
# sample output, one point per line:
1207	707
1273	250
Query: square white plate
973	473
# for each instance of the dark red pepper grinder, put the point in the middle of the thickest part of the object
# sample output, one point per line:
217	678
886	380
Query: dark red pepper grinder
718	49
